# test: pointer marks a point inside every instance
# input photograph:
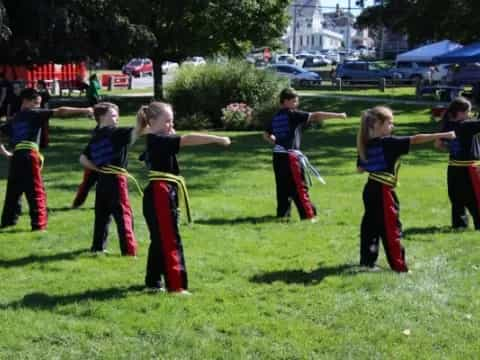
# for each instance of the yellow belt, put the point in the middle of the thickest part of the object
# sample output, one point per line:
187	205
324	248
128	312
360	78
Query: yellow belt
384	178
464	163
117	170
177	180
30	145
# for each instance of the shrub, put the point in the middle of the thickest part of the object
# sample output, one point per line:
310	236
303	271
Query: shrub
237	116
207	89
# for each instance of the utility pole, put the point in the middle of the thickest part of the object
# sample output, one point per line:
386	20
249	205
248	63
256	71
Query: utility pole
294	40
348	26
382	36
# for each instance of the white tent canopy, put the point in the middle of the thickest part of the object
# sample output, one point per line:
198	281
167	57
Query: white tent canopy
428	52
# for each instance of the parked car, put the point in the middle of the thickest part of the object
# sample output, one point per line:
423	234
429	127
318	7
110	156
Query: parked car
439	72
316	60
468	74
168	66
296	74
413	71
138	66
195	61
363	71
285	59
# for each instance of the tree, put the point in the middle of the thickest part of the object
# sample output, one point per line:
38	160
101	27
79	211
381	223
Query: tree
426	20
62	30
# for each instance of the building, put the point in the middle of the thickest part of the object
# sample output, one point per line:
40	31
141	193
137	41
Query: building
343	22
306	30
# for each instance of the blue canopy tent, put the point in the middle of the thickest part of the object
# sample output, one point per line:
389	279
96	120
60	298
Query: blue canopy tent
465	55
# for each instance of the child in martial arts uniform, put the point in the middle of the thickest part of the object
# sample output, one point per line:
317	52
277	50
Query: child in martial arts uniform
24	133
284	131
379	154
106	153
161	196
463	174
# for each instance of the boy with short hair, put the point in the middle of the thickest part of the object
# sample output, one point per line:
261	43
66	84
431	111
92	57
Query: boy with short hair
23	132
106	153
284	131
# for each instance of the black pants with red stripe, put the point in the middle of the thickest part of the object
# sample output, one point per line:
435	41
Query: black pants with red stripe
291	185
381	221
25	177
44	135
464	193
90	178
111	199
165	254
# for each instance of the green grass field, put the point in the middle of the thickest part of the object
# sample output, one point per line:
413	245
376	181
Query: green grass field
262	289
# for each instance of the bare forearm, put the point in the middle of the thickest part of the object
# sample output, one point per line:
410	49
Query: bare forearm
203	139
321	115
424	138
87	164
72	111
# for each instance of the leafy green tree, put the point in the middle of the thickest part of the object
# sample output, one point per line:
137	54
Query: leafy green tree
62	30
427	19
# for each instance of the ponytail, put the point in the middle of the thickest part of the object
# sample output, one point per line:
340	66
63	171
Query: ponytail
142	117
155	109
367	123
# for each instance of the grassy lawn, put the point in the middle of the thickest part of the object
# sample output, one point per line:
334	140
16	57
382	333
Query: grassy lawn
261	288
401	93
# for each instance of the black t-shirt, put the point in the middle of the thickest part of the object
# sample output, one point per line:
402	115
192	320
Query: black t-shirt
383	153
287	125
26	125
161	152
109	146
466	146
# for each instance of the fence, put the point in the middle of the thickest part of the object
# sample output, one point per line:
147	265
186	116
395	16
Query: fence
68	76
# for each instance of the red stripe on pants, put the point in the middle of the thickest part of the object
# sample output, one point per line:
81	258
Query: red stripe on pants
393	235
475	179
39	195
81	193
127	215
300	186
168	236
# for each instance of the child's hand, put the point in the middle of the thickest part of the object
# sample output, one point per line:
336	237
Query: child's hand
450	135
343	116
225	141
89	112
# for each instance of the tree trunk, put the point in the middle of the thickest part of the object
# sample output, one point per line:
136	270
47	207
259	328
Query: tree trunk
157	78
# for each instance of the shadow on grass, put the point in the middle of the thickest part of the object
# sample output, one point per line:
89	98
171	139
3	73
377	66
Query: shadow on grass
71	255
431	230
304	277
69	208
44	301
237	221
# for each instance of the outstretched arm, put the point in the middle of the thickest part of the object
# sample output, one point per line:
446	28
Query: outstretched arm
320	116
202	139
270	138
440	145
87	164
65	111
424	138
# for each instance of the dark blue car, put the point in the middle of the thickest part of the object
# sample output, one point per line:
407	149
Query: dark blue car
364	71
